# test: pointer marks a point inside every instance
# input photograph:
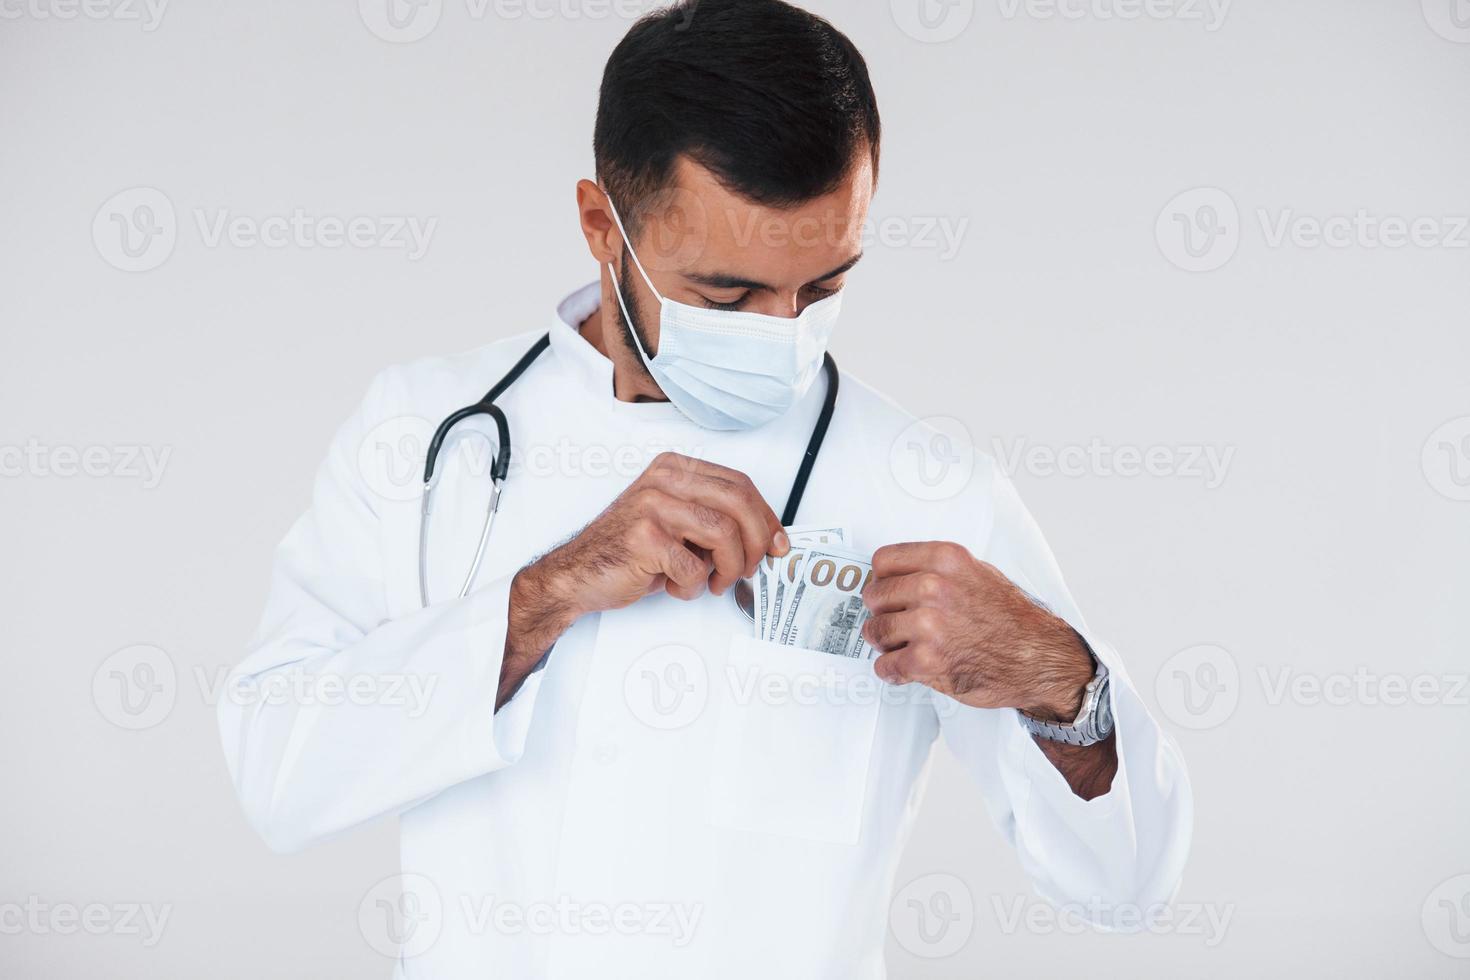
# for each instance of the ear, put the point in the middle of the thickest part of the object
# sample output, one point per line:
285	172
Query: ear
603	240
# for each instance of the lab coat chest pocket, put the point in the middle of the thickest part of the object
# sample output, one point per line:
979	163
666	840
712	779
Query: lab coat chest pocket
793	742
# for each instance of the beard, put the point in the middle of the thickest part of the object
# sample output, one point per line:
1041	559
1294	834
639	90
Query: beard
627	330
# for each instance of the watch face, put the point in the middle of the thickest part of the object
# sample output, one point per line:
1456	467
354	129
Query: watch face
1105	711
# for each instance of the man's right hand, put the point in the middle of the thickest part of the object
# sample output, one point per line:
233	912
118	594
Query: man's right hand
683	527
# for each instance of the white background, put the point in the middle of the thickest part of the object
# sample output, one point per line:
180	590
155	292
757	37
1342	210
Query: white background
1328	836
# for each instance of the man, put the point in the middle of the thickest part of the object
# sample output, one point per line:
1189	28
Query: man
609	775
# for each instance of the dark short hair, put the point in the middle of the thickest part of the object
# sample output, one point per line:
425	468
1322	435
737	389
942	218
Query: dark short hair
774	100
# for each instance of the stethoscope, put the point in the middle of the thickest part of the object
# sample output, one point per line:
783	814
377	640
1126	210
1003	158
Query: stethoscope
743	594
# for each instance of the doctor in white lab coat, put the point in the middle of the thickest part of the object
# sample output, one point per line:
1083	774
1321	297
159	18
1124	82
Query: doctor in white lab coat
598	769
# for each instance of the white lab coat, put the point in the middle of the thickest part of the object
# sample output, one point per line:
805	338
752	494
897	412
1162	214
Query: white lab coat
652	772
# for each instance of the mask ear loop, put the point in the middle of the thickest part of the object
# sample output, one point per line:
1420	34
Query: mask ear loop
618	290
629	242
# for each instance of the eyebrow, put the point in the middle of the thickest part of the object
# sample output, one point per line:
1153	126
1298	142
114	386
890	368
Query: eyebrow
720	280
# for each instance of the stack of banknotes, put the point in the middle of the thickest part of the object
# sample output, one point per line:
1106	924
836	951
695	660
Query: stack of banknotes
813	596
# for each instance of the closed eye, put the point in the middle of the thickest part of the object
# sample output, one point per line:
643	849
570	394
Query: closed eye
734	304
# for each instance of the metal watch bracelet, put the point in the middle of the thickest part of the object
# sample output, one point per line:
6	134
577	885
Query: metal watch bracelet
1094	721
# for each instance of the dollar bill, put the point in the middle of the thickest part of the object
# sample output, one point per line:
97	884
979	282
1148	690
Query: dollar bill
774	575
824	609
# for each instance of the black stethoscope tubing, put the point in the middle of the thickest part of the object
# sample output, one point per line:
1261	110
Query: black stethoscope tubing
501	466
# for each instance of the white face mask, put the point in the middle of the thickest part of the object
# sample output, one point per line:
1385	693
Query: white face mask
728	369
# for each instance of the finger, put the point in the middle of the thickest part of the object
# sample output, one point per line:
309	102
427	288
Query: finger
891	631
687	574
893	667
912	663
735	494
912	591
730	492
900	559
710	529
917	556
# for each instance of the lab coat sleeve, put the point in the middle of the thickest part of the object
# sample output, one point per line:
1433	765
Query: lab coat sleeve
340	714
1108	858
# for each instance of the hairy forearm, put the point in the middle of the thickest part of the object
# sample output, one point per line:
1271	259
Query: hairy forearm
1088	769
538	616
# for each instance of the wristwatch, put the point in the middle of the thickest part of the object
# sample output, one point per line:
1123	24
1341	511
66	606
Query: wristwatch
1092	724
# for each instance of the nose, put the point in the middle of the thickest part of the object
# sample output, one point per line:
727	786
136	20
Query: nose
787	305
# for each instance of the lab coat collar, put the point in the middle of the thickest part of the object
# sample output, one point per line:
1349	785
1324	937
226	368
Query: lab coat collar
592	371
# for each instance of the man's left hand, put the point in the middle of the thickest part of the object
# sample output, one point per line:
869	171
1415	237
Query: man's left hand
952	622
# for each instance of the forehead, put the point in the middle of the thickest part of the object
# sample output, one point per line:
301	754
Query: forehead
700	226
